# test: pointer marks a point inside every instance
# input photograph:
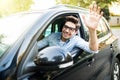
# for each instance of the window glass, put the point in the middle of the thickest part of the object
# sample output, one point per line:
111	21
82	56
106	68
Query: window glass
48	30
104	26
51	28
102	29
56	28
99	31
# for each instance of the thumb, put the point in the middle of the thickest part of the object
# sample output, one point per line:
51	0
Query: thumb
83	16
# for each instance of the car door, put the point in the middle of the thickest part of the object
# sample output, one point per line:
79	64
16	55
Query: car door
104	57
93	66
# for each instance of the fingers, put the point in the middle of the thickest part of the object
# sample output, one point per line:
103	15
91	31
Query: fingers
90	8
95	10
99	9
93	7
99	12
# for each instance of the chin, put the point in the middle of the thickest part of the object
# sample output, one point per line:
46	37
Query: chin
66	38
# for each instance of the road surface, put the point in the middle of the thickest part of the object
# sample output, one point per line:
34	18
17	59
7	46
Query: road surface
116	31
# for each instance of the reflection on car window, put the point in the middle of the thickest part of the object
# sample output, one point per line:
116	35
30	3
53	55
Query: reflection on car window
48	30
55	26
102	29
51	29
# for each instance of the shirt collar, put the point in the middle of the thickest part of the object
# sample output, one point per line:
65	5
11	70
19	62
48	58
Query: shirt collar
59	38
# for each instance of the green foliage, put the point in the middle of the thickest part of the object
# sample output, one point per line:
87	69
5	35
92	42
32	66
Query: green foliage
8	7
86	3
22	5
106	12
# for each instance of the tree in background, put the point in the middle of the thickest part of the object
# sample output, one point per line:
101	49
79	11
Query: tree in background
8	7
85	3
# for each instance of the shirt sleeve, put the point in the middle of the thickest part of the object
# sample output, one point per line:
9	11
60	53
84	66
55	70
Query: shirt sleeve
81	43
43	43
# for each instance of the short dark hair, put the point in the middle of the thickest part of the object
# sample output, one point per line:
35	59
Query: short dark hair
74	20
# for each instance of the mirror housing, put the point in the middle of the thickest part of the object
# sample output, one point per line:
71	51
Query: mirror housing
53	58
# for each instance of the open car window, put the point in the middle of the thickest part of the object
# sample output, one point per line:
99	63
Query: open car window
56	25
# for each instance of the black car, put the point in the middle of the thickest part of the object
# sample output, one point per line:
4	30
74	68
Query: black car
19	59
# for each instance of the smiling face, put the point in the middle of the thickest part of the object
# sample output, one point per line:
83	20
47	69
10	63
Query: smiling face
68	30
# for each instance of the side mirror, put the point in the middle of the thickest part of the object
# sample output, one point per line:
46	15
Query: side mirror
53	58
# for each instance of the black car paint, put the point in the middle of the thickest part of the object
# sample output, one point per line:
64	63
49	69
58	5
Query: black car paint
92	67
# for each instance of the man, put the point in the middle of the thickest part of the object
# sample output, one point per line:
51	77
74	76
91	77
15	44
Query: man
67	39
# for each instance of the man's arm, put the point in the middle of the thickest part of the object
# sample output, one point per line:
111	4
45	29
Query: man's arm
91	22
93	41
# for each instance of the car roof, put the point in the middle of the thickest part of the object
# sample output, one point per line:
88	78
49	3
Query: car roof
61	7
65	6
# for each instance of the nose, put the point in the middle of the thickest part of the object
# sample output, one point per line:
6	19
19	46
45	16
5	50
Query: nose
67	30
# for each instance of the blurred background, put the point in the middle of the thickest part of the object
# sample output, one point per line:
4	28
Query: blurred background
111	8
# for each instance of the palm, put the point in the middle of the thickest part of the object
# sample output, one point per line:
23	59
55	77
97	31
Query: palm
92	21
93	18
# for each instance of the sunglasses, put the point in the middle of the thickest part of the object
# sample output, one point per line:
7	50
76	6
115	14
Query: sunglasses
70	28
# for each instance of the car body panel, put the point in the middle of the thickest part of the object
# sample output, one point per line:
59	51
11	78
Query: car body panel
19	59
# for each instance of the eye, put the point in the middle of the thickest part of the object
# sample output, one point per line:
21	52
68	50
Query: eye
70	28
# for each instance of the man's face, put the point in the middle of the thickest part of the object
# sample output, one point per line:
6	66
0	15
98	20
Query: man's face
68	30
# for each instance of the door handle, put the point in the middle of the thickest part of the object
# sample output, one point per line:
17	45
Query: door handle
112	47
90	61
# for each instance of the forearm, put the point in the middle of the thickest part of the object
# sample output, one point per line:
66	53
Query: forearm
93	41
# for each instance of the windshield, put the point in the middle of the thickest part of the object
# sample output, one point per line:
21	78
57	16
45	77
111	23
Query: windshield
12	27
